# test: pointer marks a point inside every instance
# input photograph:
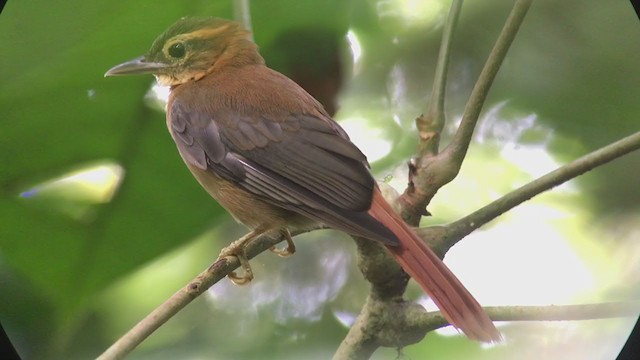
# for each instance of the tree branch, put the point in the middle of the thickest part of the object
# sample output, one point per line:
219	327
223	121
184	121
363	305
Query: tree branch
242	14
434	320
463	227
406	322
457	150
382	323
429	173
196	287
430	124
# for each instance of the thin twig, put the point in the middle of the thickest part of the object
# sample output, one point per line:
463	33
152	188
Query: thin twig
419	191
463	227
457	148
196	287
242	13
431	123
429	173
434	320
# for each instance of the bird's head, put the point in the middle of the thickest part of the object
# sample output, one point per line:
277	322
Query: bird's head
192	48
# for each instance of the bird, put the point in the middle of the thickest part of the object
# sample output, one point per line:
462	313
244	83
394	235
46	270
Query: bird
270	154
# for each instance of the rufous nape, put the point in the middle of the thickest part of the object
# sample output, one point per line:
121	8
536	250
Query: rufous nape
270	154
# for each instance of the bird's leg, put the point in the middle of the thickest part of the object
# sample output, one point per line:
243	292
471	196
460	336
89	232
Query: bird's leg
291	247
236	249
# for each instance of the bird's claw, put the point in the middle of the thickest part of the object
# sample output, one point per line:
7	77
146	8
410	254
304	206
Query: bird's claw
238	253
243	279
287	251
236	249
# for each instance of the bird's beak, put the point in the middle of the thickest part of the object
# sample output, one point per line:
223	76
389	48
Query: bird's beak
136	66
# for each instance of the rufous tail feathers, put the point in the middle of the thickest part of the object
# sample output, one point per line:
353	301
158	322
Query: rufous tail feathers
457	305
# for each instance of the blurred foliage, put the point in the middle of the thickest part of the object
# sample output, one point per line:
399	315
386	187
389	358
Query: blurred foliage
573	70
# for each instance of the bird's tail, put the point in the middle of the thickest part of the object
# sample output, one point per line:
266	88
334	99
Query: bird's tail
457	305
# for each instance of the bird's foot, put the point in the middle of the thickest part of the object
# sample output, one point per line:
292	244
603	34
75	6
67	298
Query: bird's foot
236	249
289	250
247	273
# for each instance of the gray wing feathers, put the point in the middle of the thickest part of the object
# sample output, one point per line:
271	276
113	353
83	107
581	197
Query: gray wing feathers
300	162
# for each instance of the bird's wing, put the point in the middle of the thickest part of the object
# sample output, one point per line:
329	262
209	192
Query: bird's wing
299	162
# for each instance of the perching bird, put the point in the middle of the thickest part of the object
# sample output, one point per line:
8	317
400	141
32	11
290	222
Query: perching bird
270	154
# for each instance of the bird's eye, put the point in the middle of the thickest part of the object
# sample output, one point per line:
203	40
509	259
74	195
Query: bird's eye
177	50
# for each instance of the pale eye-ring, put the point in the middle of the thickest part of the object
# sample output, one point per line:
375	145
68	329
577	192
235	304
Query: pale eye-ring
177	50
